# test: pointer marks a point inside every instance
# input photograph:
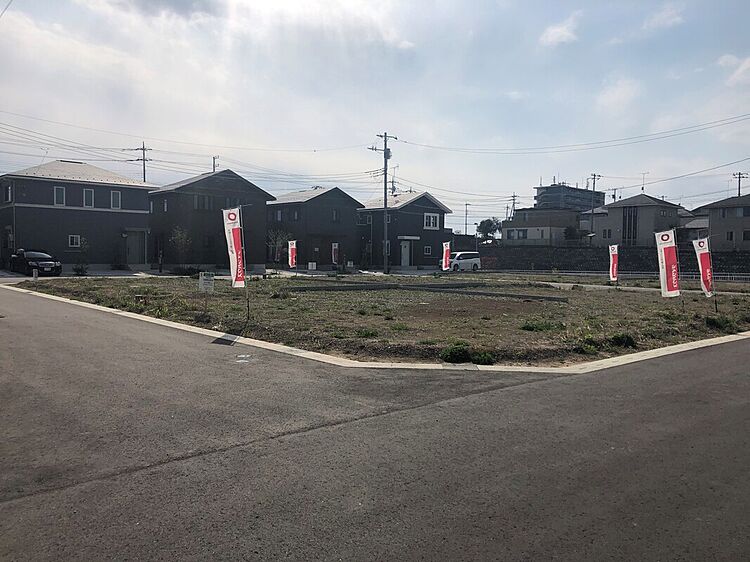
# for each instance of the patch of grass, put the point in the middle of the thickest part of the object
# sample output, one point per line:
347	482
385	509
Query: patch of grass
366	333
426	342
541	326
400	327
457	352
722	324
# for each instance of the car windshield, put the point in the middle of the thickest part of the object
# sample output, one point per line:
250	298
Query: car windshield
37	255
453	255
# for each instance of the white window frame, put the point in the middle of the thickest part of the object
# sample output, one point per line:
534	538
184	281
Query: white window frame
388	218
278	215
387	247
164	205
8	195
151	206
429	218
62	190
74	240
335	215
112	199
89	190
427	251
369	219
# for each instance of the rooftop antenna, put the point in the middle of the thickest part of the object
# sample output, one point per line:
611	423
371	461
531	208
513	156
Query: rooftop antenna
643	181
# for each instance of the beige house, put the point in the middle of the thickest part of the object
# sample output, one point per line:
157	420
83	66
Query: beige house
537	226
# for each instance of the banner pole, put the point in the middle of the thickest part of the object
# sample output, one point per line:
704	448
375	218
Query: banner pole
679	270
244	266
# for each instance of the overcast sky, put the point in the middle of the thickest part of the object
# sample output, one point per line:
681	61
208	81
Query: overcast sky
315	74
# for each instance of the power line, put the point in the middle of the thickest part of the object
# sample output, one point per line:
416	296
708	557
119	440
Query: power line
6	8
593	145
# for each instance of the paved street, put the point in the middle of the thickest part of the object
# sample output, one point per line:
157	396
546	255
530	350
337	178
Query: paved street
124	439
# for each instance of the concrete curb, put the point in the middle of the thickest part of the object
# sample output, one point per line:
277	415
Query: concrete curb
580	368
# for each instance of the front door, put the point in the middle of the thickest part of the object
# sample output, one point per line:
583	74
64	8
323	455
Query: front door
136	247
405	253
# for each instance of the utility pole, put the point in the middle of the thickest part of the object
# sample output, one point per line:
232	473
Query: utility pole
214	159
506	212
386	156
643	181
143	158
513	206
594	177
466	218
740	176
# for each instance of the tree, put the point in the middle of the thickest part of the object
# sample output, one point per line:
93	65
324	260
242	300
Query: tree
277	240
81	266
488	227
180	241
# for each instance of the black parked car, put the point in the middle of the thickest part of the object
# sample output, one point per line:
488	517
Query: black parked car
26	261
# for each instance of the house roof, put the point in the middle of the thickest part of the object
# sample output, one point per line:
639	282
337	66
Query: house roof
736	201
641	200
598	211
310	194
399	200
700	223
225	174
71	170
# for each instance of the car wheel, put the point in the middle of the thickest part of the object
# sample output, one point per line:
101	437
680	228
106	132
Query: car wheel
474	267
455	267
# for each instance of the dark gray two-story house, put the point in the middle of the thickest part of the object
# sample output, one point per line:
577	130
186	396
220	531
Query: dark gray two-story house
317	218
194	205
416	231
66	207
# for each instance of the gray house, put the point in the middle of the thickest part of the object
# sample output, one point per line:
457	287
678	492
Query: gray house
729	223
416	231
633	221
317	218
64	207
540	226
194	206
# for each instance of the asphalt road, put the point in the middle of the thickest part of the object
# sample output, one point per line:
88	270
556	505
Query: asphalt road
128	440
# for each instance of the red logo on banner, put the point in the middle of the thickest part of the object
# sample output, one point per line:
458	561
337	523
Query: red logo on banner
231	216
237	242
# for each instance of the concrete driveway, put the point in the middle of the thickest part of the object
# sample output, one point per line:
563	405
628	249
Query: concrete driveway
124	439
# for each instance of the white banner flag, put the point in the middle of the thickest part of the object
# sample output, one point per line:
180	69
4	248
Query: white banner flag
446	263
669	269
703	254
233	233
613	263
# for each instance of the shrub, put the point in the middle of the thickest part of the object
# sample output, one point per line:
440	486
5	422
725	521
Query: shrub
623	340
80	269
366	333
281	294
482	358
457	352
721	323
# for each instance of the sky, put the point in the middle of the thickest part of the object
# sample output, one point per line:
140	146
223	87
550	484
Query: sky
291	93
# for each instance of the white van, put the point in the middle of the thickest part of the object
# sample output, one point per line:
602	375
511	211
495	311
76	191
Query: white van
465	261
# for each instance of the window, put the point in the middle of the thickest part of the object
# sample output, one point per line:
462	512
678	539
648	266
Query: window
278	215
295	215
523	233
541	232
388	247
609	233
746	235
195	202
361	219
431	221
59	195
151	206
74	240
336	215
663	213
525	217
388	218
510	234
746	211
165	204
8	193
723	213
428	250
369	219
115	199
604	233
88	197
730	236
629	226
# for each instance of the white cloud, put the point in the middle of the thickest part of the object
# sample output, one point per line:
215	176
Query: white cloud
618	94
741	75
669	15
728	61
563	32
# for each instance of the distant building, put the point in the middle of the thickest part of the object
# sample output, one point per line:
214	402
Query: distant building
563	196
65	207
416	230
540	226
633	221
195	206
729	223
317	218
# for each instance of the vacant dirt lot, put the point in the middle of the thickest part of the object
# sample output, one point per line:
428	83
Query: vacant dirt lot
419	324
